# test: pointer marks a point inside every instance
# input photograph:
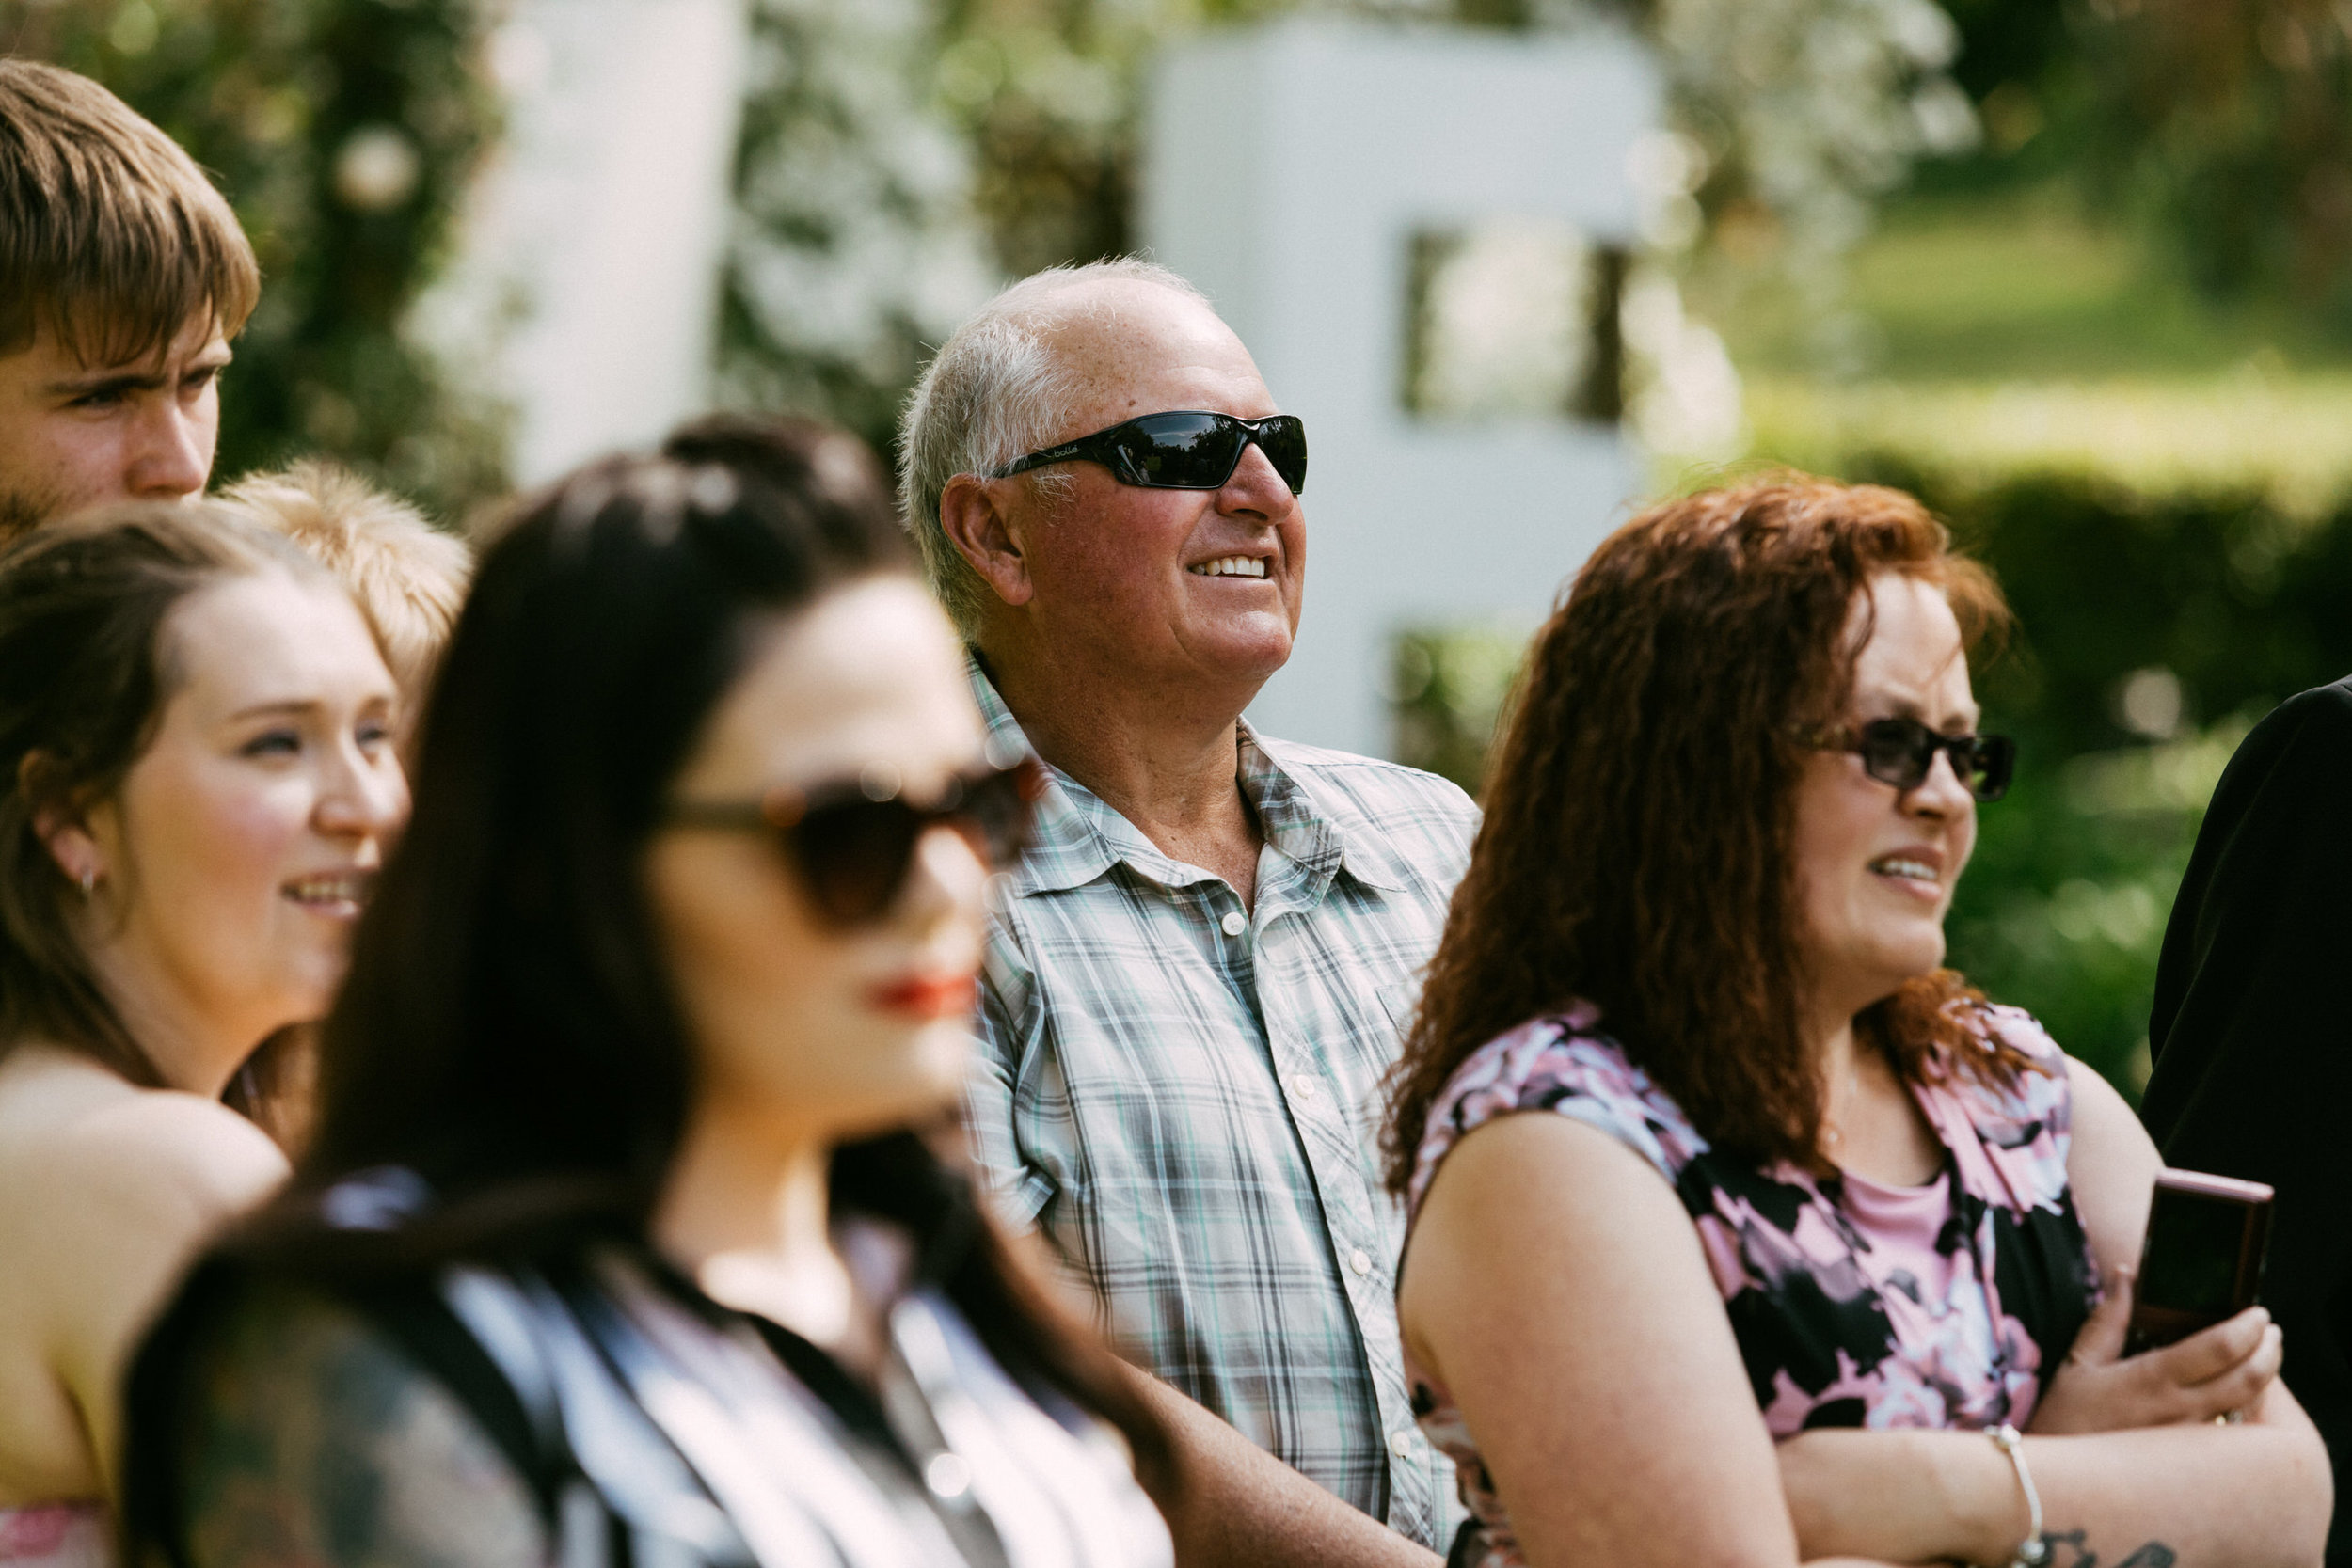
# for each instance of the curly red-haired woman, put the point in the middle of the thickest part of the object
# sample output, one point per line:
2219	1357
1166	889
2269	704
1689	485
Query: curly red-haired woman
1808	1228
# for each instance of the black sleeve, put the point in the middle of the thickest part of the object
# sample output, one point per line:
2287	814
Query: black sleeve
2252	1032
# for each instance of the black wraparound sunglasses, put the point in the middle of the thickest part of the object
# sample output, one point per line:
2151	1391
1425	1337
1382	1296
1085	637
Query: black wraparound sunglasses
853	842
1186	450
1901	751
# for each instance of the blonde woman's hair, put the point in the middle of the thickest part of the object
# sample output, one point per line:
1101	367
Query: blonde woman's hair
110	236
407	577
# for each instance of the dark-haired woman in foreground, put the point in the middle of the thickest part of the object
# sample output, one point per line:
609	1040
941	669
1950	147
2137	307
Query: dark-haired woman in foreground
1812	1229
617	1241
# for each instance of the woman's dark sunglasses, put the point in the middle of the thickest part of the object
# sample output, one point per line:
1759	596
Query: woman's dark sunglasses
1901	751
1188	449
854	842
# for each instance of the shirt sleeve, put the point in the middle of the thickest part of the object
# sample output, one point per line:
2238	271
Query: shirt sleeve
1016	1187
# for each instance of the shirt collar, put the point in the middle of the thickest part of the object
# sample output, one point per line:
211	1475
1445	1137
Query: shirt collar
1078	836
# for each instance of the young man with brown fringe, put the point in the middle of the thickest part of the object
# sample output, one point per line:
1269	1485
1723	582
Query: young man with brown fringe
124	276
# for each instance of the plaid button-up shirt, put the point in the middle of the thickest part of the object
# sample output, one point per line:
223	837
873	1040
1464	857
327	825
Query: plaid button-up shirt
1182	1096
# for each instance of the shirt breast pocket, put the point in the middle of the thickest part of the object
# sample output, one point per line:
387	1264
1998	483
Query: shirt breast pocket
1401	1002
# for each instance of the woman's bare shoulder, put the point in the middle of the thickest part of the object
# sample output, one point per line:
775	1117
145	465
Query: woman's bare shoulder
1481	1232
106	1190
85	1147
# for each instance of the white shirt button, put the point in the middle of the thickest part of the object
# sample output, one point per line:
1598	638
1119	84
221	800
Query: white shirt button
947	1475
1359	1260
1303	1086
1234	922
1401	1444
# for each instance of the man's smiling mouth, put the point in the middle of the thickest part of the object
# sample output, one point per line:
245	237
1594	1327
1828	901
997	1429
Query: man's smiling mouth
1232	567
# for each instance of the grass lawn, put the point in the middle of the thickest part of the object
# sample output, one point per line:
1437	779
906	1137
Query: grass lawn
2010	333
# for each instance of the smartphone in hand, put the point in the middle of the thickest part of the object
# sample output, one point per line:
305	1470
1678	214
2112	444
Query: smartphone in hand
2202	1260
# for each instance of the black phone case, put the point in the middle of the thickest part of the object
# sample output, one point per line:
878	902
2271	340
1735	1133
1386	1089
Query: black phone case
2157	1322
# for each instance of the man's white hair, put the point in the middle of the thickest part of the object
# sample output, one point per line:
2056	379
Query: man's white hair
988	397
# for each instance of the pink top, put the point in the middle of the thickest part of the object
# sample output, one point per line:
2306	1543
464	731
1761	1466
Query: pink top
55	1535
1854	1303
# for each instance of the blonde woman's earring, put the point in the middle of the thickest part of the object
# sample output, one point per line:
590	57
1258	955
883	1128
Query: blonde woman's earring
89	880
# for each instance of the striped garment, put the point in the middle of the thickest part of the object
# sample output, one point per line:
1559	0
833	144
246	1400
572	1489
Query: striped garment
1181	1096
650	1425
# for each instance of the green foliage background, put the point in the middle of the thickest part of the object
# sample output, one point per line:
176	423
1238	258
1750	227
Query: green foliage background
267	95
2218	131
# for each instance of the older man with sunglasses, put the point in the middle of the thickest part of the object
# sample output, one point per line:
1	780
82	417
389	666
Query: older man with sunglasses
1198	971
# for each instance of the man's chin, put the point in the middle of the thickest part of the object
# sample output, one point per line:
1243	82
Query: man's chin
1246	662
1258	644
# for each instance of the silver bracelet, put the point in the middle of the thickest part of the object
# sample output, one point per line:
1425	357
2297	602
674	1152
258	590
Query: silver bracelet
2034	1551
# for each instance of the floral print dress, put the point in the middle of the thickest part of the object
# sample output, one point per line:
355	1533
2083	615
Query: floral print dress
1854	1303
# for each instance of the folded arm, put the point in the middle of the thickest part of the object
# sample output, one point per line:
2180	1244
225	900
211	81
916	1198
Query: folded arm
1242	1506
2255	1494
1237	1504
2125	1452
1585	1344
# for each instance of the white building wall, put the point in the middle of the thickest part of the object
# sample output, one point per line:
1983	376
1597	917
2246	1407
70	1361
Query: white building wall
586	289
1285	170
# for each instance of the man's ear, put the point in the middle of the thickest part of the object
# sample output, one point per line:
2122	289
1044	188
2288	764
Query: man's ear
974	515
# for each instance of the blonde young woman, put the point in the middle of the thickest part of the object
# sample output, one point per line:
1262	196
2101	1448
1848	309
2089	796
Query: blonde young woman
197	781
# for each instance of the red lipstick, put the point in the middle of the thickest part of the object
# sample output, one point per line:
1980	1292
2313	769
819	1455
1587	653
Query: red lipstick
928	996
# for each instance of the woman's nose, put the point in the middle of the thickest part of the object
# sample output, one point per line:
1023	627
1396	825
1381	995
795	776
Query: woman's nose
1941	793
947	881
363	795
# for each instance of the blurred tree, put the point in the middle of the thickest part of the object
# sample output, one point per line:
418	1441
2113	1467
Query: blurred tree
342	132
2020	62
2227	123
2221	130
1050	93
1797	116
856	242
